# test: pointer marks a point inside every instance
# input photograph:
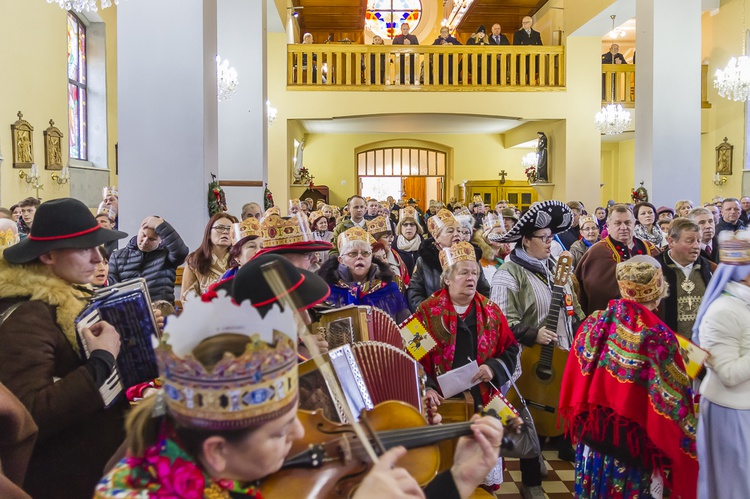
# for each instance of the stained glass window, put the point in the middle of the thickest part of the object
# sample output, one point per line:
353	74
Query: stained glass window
385	17
77	88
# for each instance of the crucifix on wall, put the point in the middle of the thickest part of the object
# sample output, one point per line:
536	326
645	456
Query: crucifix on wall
503	174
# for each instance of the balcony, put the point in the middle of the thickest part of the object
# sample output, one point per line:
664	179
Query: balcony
420	68
618	85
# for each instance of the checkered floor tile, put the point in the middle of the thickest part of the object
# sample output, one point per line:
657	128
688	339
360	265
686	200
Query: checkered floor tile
559	483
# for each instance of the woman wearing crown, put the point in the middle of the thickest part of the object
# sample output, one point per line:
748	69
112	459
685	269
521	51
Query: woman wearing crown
356	279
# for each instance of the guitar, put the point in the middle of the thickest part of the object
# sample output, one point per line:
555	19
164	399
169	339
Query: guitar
542	366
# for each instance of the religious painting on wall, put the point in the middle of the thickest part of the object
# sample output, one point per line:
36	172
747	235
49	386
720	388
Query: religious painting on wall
53	147
724	153
22	136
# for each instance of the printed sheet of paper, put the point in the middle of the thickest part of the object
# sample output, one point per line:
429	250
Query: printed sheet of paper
416	338
693	355
458	380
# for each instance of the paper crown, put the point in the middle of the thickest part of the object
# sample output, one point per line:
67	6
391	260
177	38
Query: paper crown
734	247
379	225
642	293
224	367
459	252
408	212
440	220
294	202
273	210
8	238
105	209
354	234
587	218
277	231
492	220
248	227
315	216
109	191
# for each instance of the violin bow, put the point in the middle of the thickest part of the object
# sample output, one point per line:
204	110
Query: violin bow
275	280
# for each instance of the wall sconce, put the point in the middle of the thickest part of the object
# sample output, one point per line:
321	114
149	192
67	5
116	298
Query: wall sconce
32	178
63	177
719	180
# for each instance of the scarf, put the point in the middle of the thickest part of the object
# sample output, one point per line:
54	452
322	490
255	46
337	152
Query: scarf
438	314
166	470
655	236
405	245
541	268
625	384
586	242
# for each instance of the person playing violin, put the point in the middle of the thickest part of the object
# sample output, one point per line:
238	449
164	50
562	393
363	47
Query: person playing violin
227	416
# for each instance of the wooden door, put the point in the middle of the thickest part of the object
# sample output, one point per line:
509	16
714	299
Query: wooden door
416	187
488	193
519	193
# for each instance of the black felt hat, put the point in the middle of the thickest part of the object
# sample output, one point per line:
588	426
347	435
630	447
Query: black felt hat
553	215
306	288
64	223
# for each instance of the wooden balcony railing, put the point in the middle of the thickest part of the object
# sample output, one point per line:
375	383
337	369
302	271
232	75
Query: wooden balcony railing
425	68
618	85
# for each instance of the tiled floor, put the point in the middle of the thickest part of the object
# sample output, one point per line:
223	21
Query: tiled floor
559	483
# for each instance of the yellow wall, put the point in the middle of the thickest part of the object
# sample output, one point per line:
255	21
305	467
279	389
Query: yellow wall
33	51
618	169
109	16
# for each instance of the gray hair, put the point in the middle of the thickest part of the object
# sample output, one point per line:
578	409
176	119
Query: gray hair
450	270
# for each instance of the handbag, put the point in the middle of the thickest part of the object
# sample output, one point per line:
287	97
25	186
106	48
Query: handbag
526	444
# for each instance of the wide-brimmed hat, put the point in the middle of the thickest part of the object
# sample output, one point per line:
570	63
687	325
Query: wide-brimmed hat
306	288
64	223
289	235
553	215
509	213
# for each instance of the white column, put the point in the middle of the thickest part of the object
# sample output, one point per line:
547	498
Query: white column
243	151
668	95
167	112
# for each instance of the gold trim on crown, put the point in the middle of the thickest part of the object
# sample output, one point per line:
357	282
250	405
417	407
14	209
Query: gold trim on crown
354	234
379	224
408	211
8	238
643	293
459	252
277	231
734	248
273	210
440	220
587	218
294	202
248	227
492	220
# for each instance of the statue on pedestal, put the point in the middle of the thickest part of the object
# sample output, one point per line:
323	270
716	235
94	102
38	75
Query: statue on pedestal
542	171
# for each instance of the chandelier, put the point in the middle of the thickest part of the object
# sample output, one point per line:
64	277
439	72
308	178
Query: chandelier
83	5
612	120
227	81
734	81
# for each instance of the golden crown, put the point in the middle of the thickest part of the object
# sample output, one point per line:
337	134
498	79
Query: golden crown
8	238
277	231
459	252
109	191
354	234
248	227
643	293
105	209
734	248
294	202
273	210
315	215
440	220
492	220
379	224
408	211
225	367
587	218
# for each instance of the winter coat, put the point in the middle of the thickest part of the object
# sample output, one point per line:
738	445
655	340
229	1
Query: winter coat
40	364
16	444
158	267
425	279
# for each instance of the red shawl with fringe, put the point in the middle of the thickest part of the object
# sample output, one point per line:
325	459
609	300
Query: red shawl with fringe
625	380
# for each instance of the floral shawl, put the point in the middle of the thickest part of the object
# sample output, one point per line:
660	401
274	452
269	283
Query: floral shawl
166	471
440	319
626	377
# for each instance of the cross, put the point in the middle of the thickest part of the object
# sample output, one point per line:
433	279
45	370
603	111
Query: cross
502	174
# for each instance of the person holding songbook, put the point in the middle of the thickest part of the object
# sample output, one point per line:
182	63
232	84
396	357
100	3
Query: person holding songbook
43	283
626	397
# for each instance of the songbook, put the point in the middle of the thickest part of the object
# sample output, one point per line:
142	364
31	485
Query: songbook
127	307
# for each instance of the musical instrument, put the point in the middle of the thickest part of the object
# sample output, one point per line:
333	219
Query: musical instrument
354	323
542	366
369	373
329	463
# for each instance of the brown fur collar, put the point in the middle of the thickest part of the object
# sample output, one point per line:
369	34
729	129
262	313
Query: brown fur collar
37	282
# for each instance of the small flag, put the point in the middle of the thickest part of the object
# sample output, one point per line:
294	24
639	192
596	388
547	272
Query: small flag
693	355
416	338
503	408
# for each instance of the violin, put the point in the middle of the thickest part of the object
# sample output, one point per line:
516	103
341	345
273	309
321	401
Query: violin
329	461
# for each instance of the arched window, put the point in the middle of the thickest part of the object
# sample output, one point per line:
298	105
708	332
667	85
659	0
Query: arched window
385	17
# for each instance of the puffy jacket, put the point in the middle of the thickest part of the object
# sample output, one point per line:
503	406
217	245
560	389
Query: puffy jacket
425	279
158	267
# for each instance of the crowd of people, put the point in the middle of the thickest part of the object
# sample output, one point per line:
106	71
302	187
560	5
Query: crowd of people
647	286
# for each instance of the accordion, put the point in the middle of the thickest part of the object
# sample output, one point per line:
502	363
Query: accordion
127	306
368	373
352	324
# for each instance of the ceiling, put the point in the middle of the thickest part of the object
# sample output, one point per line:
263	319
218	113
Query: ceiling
432	123
507	13
334	16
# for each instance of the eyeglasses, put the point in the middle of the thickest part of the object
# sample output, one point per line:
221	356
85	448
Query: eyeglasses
222	228
545	239
355	254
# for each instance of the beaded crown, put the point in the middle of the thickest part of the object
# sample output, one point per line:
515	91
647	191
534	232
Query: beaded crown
440	220
734	247
378	225
248	227
642	293
459	252
225	367
354	234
